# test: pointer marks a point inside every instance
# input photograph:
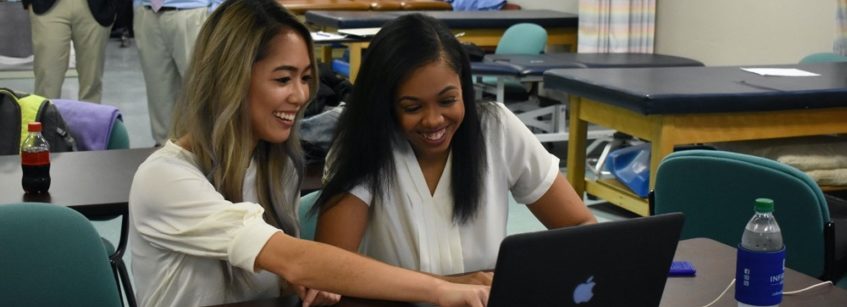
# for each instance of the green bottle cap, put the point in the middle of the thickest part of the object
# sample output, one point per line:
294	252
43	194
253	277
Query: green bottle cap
764	205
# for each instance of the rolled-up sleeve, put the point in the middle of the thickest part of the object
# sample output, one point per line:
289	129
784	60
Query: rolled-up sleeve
174	207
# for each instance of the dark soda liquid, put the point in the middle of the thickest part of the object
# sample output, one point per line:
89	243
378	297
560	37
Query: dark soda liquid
36	178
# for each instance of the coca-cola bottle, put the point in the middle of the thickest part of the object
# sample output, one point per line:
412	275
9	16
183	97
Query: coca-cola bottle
35	161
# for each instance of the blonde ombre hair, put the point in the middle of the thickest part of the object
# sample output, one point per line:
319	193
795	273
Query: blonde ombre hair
214	111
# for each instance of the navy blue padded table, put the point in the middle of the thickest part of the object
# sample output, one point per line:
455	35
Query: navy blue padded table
684	105
483	28
529	65
538	64
530	68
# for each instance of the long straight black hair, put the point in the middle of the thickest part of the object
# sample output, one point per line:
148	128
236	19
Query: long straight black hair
368	131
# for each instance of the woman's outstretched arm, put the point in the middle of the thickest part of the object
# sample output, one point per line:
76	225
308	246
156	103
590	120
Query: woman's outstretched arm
320	266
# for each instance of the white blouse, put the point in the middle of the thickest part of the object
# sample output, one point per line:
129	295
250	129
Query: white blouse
190	246
414	229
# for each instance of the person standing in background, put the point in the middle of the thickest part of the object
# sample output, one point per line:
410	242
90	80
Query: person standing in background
840	46
165	31
57	23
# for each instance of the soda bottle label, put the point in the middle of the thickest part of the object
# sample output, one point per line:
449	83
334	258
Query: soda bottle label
35	158
759	277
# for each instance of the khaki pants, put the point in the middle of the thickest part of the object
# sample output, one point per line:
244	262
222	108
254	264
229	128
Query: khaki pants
66	21
165	42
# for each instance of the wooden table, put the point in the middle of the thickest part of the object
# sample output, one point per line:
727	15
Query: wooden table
715	264
299	7
687	105
483	28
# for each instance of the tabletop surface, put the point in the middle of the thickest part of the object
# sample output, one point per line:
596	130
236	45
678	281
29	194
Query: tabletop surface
668	90
90	181
453	19
96	183
600	60
715	264
535	65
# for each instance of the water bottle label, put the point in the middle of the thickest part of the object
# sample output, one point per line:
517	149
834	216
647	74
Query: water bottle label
759	277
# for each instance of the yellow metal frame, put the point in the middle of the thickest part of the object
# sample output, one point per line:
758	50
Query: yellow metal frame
481	37
665	131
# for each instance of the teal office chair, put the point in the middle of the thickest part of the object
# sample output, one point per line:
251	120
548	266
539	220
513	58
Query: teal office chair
823	57
308	223
82	117
119	137
716	191
88	121
522	98
52	256
522	38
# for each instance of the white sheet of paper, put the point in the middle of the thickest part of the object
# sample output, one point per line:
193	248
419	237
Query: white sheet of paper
324	36
783	72
362	32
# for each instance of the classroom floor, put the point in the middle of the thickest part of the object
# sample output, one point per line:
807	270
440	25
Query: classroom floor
123	87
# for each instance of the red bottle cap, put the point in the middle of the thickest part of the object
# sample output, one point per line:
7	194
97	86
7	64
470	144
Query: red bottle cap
34	127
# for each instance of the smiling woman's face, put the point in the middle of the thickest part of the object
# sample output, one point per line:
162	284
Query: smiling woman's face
429	108
279	87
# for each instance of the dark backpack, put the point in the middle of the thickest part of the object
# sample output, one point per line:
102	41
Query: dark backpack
18	109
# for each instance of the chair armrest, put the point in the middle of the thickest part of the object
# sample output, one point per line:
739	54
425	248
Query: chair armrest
835	263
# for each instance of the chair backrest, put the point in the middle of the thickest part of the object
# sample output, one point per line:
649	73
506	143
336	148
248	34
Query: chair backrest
94	126
307	222
823	57
716	191
119	137
522	38
52	256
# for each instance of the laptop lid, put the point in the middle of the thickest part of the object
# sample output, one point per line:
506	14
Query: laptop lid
620	263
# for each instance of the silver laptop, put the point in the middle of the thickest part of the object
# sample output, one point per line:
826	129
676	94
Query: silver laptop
621	263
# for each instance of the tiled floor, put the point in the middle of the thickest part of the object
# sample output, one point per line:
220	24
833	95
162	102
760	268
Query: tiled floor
123	87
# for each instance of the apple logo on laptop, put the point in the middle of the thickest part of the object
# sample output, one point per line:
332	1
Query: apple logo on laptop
583	291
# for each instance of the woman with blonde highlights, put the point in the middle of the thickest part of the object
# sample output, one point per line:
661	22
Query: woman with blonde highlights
212	212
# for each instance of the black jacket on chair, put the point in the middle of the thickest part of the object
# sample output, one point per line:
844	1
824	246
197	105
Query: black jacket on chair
102	10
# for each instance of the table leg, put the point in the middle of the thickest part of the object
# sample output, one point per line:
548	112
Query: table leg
355	59
326	54
577	142
660	146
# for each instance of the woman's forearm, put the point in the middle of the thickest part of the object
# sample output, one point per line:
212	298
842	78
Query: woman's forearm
329	268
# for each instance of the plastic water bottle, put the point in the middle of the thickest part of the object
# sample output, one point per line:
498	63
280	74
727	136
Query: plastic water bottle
760	265
35	161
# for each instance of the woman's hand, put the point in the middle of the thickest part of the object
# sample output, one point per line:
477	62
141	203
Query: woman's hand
475	278
459	295
312	297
